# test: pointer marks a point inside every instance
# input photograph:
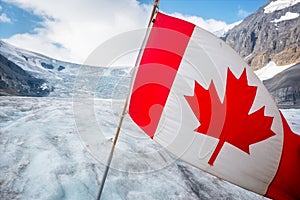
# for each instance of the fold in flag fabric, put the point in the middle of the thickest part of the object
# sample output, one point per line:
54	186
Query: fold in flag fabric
198	99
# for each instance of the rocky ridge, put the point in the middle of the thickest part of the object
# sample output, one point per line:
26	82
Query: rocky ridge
270	34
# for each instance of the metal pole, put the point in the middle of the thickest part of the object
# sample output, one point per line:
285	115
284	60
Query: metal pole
155	6
112	150
122	115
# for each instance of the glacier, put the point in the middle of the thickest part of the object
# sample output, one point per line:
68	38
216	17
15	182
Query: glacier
43	157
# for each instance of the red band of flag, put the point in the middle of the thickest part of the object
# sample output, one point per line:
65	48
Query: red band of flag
161	58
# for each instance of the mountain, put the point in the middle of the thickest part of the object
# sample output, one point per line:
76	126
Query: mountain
26	73
272	33
269	40
285	87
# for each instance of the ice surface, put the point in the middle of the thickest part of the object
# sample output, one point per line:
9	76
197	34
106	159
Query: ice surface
42	157
293	118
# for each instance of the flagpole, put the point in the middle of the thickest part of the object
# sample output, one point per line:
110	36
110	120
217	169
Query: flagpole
155	6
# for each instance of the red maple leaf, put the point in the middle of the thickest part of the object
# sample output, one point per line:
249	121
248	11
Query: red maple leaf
230	121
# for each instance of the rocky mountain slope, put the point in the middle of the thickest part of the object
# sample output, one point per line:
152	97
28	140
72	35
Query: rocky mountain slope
270	34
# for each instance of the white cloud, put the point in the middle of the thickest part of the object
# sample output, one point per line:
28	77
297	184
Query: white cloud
243	13
0	7
4	18
211	25
79	26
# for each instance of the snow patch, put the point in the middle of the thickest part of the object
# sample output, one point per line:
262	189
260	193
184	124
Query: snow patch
248	56
270	70
279	5
44	86
287	16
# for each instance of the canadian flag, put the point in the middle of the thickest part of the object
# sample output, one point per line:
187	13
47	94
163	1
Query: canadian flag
197	98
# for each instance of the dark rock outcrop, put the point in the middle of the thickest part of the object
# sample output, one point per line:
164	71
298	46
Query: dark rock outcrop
15	81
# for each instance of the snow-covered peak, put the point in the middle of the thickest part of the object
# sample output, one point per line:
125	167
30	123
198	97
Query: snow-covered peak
287	16
279	5
222	32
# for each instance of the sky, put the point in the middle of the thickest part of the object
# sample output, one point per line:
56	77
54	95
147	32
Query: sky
70	30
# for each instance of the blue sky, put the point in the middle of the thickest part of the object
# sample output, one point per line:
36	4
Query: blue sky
21	21
69	30
226	10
